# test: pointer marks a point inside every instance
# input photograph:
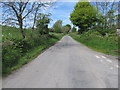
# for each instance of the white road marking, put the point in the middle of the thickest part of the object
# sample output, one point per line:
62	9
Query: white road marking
108	60
97	56
117	66
111	67
103	56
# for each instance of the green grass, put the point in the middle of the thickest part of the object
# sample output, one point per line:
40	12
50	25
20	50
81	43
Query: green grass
29	56
18	52
13	32
103	44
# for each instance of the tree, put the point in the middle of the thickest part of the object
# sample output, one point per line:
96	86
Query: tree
108	11
37	10
42	23
69	27
58	26
66	28
84	16
118	21
73	29
17	12
110	18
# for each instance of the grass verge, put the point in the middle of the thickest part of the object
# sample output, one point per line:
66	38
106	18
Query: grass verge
104	44
18	52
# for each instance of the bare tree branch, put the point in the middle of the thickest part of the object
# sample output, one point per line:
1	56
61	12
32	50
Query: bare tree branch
9	19
29	11
25	5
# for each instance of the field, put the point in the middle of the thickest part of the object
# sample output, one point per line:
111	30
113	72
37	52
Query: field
17	51
13	33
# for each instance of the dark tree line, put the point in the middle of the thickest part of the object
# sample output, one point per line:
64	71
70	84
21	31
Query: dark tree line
109	13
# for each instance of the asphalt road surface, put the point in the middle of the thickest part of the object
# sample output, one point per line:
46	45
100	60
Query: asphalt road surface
67	64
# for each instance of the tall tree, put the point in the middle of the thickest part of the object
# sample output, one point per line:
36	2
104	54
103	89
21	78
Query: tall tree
84	16
42	23
108	10
73	29
58	26
16	12
37	10
68	28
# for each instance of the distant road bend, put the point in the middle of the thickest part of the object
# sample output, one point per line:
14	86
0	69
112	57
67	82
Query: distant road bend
67	64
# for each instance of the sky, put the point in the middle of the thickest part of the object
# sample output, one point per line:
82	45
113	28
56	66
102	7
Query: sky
61	11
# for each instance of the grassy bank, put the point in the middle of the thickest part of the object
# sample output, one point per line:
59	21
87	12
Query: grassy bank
105	44
17	51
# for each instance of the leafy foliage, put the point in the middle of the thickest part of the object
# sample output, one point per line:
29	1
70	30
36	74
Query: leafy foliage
84	16
17	51
58	26
66	28
69	26
73	29
107	44
42	23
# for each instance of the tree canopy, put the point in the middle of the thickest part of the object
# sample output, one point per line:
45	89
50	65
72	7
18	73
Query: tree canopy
84	16
58	26
73	29
42	23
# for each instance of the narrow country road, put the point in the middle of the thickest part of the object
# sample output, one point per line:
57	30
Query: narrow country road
67	64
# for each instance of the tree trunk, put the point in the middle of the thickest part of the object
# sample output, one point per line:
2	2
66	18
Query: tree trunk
34	22
21	28
35	17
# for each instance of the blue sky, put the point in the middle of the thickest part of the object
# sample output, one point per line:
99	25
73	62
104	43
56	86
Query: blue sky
61	11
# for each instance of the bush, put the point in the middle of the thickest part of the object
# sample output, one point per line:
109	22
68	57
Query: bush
14	49
17	51
106	31
10	57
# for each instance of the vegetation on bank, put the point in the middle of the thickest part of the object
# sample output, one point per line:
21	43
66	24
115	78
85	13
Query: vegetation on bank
94	25
107	44
17	51
97	26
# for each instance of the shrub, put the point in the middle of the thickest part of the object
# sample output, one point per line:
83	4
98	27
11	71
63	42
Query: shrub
10	57
14	49
106	31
